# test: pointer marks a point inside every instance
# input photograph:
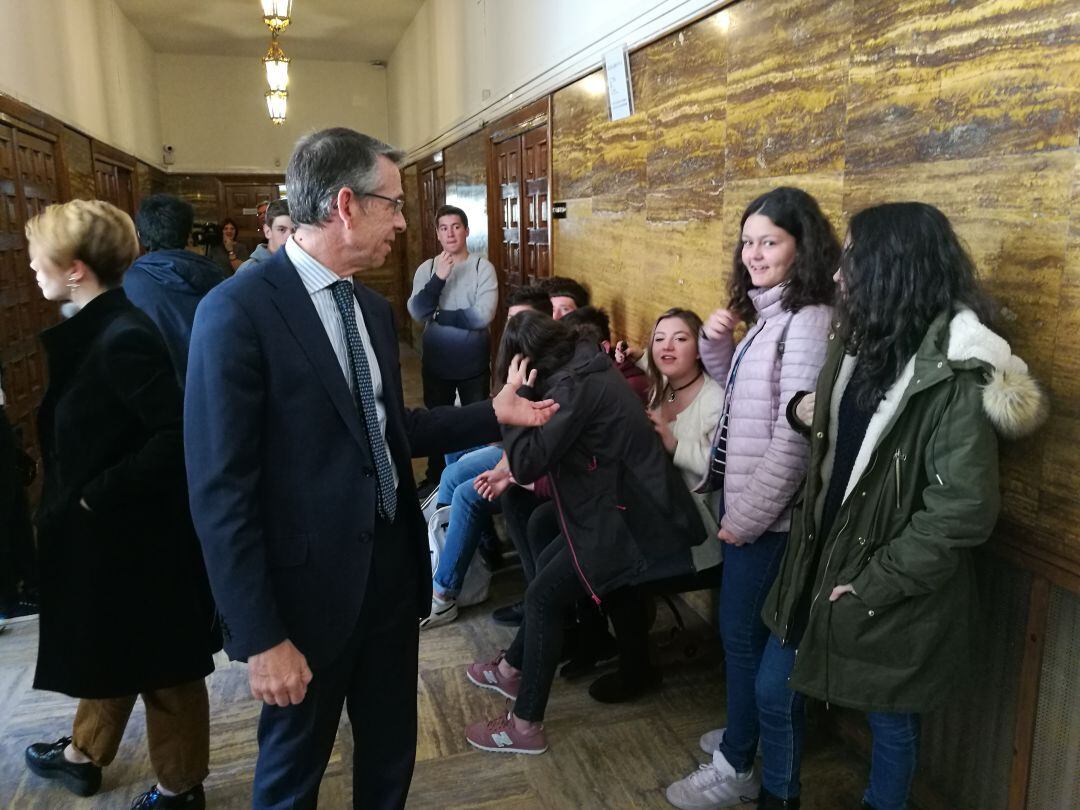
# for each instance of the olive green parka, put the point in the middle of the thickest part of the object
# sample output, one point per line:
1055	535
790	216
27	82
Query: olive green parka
922	493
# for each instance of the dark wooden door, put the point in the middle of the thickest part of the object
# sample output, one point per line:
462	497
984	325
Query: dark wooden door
28	183
508	175
114	183
534	161
432	197
241	200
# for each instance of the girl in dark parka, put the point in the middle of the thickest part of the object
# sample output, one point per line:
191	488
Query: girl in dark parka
876	589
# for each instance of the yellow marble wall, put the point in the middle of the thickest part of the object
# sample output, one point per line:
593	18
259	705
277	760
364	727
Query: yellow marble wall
466	185
971	106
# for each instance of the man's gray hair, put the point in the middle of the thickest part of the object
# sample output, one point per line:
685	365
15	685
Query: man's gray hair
327	161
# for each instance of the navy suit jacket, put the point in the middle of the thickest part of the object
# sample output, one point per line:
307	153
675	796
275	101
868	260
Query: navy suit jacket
282	482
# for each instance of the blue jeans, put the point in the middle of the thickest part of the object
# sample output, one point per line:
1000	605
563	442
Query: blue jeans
749	571
469	513
893	755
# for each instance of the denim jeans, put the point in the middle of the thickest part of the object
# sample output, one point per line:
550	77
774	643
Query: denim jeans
749	571
469	514
894	750
782	713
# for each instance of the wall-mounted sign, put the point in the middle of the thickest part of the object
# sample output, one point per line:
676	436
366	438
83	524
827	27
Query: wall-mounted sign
620	92
558	210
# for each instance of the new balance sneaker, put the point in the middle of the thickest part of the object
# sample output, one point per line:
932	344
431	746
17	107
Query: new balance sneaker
714	785
487	676
710	740
502	736
443	611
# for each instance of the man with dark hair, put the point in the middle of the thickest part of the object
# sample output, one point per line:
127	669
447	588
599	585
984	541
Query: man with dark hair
566	295
454	295
277	228
168	282
298	446
523	298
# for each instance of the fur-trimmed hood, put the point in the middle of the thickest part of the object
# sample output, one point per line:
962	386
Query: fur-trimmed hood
1012	398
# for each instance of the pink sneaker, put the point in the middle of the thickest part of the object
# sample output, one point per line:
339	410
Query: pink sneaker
487	676
501	736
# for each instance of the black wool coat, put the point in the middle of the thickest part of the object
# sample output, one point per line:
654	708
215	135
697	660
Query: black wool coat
125	605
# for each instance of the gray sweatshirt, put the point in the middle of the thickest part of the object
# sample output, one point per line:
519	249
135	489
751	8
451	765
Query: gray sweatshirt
456	314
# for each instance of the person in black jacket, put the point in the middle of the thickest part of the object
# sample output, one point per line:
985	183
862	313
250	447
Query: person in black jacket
625	514
125	605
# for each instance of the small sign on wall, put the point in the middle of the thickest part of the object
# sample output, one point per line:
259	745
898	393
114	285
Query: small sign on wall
558	210
620	91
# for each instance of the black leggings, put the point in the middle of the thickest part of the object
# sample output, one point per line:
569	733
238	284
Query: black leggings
532	525
539	640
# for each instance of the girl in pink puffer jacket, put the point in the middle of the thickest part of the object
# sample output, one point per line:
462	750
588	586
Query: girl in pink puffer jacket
781	285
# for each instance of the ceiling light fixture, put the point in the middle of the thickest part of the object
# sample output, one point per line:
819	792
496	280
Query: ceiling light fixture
277	14
277	102
277	66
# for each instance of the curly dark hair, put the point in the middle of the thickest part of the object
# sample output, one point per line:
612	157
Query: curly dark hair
656	378
817	252
549	345
903	266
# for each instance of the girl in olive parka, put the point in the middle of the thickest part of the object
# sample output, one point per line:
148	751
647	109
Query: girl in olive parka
877	589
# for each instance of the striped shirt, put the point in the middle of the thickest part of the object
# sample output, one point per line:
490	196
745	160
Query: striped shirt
317	279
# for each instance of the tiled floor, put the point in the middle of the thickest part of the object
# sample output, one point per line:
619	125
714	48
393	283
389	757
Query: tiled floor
600	756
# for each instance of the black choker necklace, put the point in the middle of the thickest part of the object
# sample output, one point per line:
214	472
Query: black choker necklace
674	391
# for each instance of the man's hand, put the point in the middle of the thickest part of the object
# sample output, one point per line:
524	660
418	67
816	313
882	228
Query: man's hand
839	591
279	676
444	263
720	323
510	409
729	538
492	483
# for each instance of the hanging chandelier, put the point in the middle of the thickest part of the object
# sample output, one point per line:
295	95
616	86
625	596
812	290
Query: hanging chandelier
277	14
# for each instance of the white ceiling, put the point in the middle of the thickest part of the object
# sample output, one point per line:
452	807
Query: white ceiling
345	30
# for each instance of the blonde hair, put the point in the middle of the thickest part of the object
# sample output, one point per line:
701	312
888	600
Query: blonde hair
92	231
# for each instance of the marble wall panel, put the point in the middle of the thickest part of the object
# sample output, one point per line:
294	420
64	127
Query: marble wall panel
684	98
79	163
972	106
411	247
941	79
787	86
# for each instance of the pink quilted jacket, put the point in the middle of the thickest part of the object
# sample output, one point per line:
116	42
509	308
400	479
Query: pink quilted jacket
766	459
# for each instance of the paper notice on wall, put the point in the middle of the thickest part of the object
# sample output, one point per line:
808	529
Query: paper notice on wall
620	92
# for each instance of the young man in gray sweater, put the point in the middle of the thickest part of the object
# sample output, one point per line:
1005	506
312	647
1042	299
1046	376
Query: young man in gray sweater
455	295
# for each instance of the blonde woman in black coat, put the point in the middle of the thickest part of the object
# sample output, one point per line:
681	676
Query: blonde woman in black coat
125	608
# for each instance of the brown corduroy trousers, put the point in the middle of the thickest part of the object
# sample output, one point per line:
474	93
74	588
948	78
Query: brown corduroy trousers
177	732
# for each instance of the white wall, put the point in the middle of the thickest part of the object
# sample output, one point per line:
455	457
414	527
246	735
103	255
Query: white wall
82	62
213	112
456	52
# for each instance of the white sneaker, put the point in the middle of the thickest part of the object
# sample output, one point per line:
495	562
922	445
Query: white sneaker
714	785
443	611
710	740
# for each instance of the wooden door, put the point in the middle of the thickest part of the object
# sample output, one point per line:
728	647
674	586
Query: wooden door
508	175
114	183
28	183
432	197
241	202
534	161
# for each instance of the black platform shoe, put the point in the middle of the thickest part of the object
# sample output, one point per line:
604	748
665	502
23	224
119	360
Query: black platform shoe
766	801
154	799
47	760
621	687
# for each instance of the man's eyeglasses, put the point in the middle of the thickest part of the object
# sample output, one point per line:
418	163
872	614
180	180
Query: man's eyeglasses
398	203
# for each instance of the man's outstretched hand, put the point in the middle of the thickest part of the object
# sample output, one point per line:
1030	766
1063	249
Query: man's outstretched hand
510	409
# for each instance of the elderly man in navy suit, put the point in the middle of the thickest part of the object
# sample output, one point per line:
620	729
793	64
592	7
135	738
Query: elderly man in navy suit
298	452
